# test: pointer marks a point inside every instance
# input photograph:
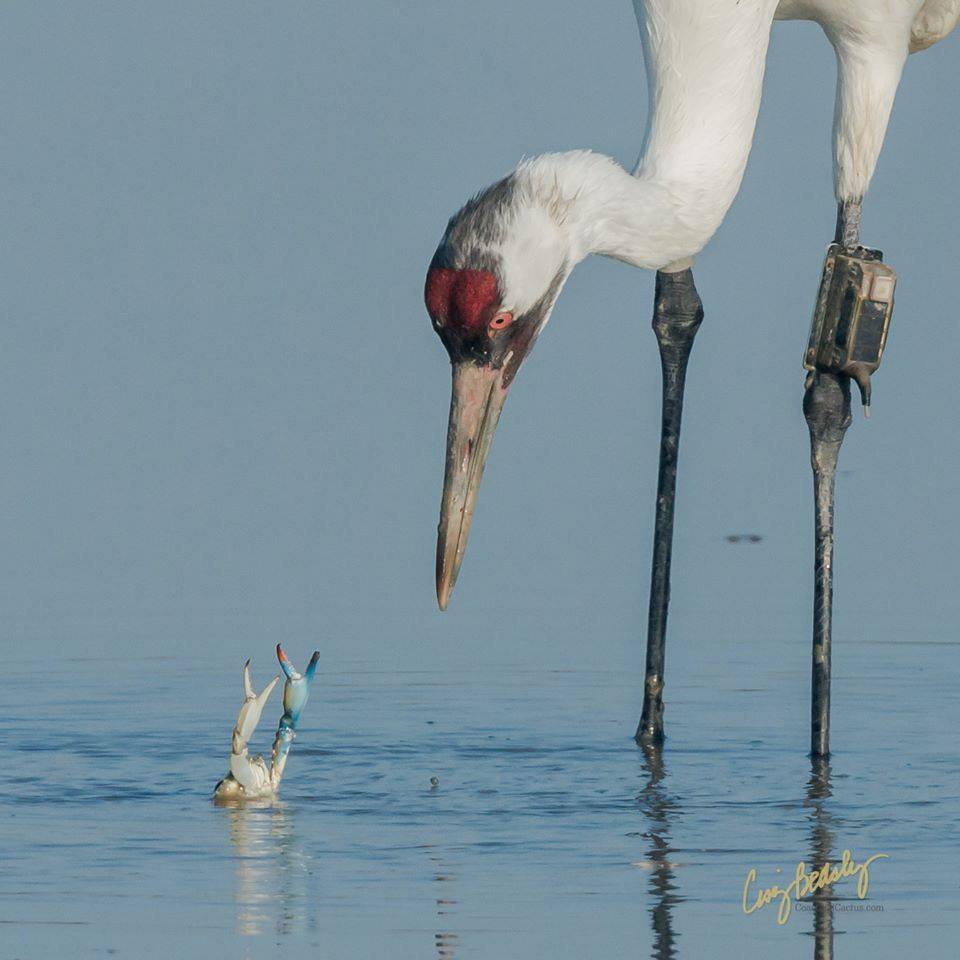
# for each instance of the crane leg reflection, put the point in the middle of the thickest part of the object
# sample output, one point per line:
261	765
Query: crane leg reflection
822	842
659	809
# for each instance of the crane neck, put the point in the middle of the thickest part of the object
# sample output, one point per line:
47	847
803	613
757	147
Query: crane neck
645	220
704	80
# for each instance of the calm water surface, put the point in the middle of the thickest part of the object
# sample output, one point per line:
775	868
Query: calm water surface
549	834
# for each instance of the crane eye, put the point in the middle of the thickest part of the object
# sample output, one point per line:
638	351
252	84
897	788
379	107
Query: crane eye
501	319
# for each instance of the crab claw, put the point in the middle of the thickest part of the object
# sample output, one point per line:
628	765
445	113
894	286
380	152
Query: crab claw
312	666
248	693
296	690
286	665
249	715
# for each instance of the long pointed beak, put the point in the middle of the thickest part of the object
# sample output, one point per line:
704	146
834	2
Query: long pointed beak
475	405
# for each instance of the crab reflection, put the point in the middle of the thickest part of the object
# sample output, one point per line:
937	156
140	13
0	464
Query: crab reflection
272	870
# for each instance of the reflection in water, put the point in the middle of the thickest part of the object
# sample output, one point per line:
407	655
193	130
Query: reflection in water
271	867
821	849
446	941
659	808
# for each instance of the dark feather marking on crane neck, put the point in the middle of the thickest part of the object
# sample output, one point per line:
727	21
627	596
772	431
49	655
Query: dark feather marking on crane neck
482	219
527	329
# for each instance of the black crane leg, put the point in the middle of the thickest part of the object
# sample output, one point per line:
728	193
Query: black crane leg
677	315
826	406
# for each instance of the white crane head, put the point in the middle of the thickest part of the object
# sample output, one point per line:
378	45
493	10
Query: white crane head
490	289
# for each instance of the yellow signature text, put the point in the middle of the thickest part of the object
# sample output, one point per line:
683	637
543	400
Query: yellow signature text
805	884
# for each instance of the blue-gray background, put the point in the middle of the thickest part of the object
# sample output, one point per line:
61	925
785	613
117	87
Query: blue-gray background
223	402
223	406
